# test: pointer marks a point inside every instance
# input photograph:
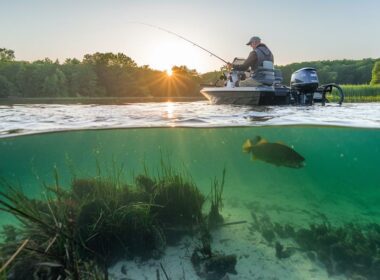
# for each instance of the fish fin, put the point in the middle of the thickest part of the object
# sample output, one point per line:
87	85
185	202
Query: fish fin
262	141
247	146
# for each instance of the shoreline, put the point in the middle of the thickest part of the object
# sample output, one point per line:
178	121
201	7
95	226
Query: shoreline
96	100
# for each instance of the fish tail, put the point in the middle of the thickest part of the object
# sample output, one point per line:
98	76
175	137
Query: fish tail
247	146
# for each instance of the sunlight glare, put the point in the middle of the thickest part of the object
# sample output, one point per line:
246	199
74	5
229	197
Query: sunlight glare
165	54
169	109
169	72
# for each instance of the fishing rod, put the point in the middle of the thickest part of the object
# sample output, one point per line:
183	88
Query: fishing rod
183	38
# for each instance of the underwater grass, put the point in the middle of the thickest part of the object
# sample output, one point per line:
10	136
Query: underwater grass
351	249
77	232
214	217
49	225
357	93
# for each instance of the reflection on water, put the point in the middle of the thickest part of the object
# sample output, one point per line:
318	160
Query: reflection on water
43	118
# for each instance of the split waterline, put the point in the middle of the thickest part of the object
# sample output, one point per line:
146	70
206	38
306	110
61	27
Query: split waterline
337	186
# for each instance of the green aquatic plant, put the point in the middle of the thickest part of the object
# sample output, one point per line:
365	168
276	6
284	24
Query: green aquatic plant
114	220
116	231
178	201
214	216
281	252
349	249
96	221
209	264
69	226
47	224
181	202
145	183
358	93
84	188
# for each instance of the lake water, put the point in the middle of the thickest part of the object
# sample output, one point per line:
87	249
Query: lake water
339	184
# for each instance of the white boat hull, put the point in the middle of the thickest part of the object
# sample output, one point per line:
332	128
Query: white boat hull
238	95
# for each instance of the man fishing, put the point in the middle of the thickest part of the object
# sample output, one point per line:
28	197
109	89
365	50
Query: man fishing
260	60
256	58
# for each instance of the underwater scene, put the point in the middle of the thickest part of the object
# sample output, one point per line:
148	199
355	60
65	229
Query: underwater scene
192	203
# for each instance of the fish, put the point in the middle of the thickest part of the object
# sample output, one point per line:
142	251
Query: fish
277	154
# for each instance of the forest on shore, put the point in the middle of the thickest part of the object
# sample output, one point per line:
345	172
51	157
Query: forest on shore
118	75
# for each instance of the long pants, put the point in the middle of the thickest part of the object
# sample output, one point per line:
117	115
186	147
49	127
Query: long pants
249	82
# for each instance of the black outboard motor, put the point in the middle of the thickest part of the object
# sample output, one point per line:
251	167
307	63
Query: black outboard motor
305	89
303	84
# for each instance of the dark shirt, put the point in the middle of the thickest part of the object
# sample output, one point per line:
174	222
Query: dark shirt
251	60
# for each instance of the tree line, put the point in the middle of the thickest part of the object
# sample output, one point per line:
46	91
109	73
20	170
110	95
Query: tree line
355	72
96	75
117	75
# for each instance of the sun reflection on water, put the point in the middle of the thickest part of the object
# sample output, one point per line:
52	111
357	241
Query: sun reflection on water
169	110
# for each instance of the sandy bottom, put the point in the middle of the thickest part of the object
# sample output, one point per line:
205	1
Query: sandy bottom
256	257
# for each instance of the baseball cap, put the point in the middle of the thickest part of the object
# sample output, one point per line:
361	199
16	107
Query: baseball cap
254	38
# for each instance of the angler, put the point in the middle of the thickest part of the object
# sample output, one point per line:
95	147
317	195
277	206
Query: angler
304	84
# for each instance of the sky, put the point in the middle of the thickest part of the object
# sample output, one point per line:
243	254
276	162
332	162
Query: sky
294	30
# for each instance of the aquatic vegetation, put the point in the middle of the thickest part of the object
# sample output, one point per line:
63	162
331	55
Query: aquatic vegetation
181	202
214	216
176	200
208	264
281	252
264	225
277	154
349	249
358	93
49	224
97	221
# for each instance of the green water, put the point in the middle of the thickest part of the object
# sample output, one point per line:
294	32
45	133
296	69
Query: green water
339	184
341	179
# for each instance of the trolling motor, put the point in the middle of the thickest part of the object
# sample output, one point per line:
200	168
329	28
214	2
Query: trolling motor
305	89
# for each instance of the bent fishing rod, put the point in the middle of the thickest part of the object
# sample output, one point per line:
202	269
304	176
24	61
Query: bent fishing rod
183	38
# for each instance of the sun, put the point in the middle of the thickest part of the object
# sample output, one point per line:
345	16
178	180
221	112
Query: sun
169	72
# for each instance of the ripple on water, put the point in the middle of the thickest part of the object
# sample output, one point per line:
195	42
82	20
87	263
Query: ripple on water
23	119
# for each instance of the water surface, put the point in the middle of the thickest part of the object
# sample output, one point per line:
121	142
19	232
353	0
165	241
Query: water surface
24	119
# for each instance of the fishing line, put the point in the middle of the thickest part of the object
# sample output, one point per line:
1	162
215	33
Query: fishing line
181	37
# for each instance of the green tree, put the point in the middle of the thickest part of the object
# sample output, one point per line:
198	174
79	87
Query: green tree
55	85
81	79
376	74
6	87
6	55
116	73
337	71
72	61
109	59
46	60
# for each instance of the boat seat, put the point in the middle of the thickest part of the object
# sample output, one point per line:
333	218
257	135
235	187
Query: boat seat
278	78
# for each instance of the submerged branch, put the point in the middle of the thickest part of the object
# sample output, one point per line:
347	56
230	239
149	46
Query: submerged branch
7	263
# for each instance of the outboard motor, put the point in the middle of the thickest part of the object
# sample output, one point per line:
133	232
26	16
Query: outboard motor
303	84
305	89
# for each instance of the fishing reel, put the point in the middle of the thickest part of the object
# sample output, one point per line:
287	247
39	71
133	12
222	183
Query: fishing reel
234	77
